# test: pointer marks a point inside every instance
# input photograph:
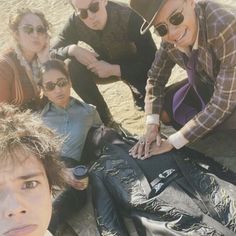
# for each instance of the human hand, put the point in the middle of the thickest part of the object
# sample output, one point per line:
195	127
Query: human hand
82	55
75	183
43	55
104	69
141	149
165	146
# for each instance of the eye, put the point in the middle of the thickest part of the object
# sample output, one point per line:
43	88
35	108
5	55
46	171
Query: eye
177	18
30	184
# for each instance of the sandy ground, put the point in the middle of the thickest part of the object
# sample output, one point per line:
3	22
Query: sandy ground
117	94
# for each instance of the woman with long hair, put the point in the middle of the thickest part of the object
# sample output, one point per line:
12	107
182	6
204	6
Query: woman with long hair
19	65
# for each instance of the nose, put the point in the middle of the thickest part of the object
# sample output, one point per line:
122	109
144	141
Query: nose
35	33
172	32
58	89
12	205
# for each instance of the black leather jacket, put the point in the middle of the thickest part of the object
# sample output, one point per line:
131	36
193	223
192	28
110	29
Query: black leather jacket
190	195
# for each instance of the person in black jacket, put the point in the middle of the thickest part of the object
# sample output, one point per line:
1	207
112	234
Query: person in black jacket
116	50
181	192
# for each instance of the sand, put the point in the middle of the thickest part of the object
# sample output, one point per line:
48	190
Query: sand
116	94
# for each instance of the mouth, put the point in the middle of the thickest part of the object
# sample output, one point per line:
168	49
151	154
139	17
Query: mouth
61	96
21	231
181	37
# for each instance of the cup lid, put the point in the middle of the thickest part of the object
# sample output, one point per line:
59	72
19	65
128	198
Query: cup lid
80	171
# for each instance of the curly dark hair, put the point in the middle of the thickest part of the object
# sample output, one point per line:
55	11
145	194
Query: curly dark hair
24	132
53	64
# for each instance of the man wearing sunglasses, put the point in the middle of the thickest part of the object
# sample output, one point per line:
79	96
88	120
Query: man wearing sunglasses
119	51
200	37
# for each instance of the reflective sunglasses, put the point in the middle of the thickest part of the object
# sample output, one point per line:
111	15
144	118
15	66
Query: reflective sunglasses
176	19
83	13
29	29
50	86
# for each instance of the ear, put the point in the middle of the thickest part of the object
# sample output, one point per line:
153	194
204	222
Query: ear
192	3
15	36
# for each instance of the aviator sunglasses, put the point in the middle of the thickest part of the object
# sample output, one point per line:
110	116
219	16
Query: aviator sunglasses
93	7
50	86
176	19
29	29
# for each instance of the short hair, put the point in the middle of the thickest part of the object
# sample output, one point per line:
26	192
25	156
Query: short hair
25	132
17	16
53	64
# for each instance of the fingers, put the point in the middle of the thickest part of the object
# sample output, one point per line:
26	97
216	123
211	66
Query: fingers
80	184
147	149
137	151
133	151
141	147
158	140
93	65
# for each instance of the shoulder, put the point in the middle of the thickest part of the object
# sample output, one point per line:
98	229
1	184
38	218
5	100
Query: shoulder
45	109
8	63
219	18
89	108
120	7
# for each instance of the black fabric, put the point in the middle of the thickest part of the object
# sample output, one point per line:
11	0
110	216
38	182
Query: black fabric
68	202
120	43
177	209
65	206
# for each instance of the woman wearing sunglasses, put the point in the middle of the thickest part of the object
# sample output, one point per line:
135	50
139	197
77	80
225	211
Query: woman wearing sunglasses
19	65
71	119
111	29
199	37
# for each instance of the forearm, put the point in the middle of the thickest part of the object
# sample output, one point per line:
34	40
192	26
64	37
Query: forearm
115	70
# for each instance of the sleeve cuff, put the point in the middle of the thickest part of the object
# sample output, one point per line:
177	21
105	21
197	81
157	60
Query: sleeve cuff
177	140
152	119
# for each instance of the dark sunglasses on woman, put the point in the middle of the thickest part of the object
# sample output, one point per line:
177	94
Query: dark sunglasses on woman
93	7
29	29
176	19
50	86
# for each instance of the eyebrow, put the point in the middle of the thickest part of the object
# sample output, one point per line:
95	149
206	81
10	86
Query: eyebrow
87	7
31	175
27	176
58	79
172	13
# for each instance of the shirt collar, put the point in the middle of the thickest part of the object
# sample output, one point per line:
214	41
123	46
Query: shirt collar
47	233
51	105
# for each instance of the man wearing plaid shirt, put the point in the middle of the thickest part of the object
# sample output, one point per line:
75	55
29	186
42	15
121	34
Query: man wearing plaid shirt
201	38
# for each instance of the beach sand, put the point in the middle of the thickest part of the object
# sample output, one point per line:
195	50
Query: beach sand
117	94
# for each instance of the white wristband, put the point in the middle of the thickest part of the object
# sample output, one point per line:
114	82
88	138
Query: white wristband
152	119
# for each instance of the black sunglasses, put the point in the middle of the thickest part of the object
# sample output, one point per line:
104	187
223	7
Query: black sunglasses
93	7
29	29
50	86
176	19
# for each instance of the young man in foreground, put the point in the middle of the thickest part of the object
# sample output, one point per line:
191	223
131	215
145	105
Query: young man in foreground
29	172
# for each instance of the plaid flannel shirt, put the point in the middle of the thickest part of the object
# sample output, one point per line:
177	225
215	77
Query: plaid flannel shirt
216	64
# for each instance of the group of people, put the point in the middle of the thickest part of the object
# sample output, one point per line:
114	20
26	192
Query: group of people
149	178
